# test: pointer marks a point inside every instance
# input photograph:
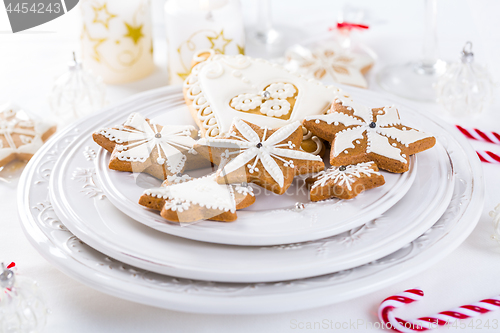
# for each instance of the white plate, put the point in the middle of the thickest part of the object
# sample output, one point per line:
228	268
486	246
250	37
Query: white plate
80	203
59	246
270	221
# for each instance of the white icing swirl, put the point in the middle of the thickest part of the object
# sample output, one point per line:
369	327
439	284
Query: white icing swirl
177	205
281	90
275	107
245	102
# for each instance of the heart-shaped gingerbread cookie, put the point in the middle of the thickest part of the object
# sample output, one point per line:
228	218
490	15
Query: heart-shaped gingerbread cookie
221	88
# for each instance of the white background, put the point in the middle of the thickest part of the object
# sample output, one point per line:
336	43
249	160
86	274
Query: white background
31	60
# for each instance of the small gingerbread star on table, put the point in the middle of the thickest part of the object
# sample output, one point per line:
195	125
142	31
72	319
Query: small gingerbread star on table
267	157
20	135
361	134
344	182
140	145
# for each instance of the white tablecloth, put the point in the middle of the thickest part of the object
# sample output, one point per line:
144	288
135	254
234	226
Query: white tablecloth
30	61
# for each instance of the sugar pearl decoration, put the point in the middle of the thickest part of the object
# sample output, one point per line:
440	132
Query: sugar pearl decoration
266	94
299	206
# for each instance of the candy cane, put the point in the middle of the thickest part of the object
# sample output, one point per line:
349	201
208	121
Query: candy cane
476	134
488	157
426	323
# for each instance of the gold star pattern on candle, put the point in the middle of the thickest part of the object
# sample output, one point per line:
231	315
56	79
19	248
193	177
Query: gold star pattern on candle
241	49
97	41
219	42
134	33
102	15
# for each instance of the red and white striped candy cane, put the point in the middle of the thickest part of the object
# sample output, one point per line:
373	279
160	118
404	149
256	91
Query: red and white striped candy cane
426	323
476	134
488	157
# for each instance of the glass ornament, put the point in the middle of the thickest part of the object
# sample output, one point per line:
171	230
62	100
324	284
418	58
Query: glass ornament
466	88
22	309
75	94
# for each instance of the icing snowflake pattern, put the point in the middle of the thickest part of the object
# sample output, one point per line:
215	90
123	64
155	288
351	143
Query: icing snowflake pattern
377	133
345	175
142	138
265	149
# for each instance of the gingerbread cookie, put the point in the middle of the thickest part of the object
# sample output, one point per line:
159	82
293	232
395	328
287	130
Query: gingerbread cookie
360	134
221	88
250	153
198	199
20	135
344	182
140	145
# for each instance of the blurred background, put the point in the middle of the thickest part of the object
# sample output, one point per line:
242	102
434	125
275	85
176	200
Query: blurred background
31	60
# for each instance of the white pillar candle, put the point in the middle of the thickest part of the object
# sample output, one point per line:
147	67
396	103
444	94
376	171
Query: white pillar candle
117	39
194	25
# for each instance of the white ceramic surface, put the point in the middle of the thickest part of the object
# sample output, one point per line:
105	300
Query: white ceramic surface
83	208
50	237
270	221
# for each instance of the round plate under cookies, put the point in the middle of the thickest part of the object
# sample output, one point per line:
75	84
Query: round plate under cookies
68	253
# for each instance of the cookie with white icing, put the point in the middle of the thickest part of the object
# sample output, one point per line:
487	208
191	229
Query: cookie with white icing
21	135
344	182
361	134
140	145
221	88
198	199
267	157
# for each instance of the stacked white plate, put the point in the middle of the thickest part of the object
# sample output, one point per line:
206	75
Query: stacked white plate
278	256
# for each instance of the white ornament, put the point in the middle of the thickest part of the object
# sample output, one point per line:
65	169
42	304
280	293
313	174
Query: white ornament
22	307
345	175
275	107
265	149
142	138
281	90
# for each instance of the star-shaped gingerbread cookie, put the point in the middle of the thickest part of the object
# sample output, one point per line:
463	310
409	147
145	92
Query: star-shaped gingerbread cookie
20	135
344	182
361	134
140	145
267	157
189	200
